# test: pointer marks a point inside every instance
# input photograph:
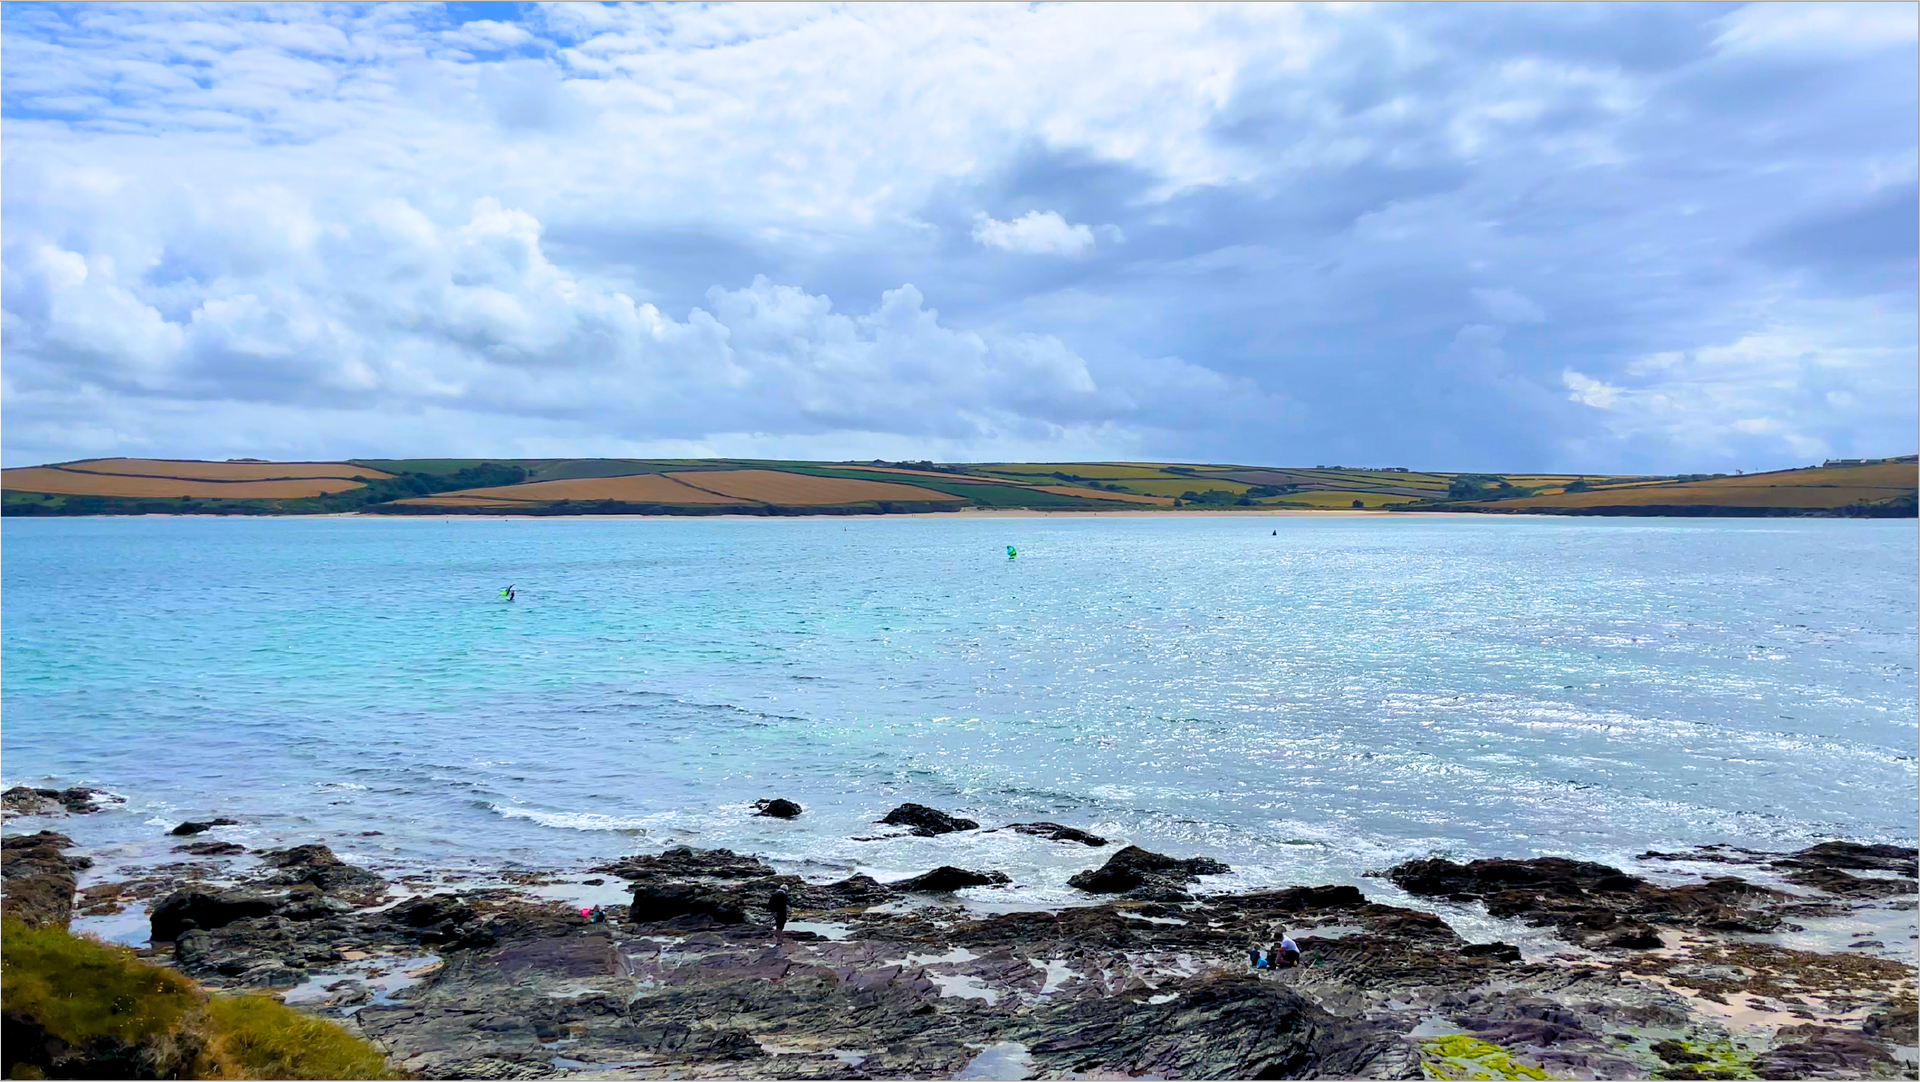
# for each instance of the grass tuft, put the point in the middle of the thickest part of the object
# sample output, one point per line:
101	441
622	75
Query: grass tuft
80	1008
82	990
258	1037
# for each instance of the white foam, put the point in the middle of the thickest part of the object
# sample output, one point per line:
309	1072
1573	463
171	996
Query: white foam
573	820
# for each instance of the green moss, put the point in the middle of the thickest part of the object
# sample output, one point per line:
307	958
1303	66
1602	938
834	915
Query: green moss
1461	1057
1717	1058
257	1037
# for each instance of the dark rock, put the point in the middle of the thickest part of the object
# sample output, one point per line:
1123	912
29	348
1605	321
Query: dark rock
855	890
1633	937
1851	856
684	861
926	822
1058	833
1895	1022
1581	898
1671	1051
42	839
1222	1027
947	878
317	865
22	800
1821	1052
309	903
39	879
211	849
207	909
436	920
1134	868
1297	899
777	808
200	826
1499	952
1555	875
665	901
1835	881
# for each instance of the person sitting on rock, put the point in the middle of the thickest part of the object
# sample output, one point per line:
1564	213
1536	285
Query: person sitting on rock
1254	961
778	903
1286	954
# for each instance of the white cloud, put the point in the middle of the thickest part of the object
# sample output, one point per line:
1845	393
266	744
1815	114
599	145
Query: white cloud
1818	29
311	211
1812	383
1036	233
393	311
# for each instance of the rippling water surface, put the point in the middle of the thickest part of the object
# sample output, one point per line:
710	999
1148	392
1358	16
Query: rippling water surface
1305	706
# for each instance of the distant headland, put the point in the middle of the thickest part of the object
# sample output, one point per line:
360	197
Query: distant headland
1853	488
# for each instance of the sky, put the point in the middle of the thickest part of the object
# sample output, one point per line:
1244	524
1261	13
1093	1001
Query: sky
1650	239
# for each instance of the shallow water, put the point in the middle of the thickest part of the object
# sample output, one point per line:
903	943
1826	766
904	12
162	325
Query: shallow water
1305	706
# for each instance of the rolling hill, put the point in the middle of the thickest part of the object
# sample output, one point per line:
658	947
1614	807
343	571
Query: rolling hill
1877	488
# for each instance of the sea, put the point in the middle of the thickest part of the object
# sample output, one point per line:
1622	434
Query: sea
1309	699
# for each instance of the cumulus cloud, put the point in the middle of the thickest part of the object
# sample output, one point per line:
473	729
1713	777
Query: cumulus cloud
392	310
1810	384
1266	233
1040	233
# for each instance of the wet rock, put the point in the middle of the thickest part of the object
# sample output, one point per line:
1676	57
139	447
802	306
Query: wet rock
1225	1027
1058	833
38	878
1499	952
665	901
926	822
1672	1051
317	865
1595	905
310	903
855	890
684	861
1821	1052
1904	859
200	826
1134	868
211	849
948	878
1896	1022
79	800
1837	882
205	908
777	808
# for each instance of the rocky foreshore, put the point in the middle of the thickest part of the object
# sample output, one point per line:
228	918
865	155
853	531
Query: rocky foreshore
1734	975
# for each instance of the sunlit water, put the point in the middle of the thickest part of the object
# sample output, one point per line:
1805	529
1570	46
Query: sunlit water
1306	706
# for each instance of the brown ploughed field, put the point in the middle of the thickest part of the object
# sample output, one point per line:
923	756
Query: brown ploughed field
802	490
222	471
633	488
1807	489
69	483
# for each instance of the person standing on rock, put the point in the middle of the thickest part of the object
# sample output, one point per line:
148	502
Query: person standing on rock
777	903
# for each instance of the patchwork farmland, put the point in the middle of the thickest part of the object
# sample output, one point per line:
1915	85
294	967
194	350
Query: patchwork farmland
1877	488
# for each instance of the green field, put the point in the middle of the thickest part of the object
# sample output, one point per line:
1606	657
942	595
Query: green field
560	486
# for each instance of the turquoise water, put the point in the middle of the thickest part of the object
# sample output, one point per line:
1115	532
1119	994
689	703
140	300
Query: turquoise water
1305	706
